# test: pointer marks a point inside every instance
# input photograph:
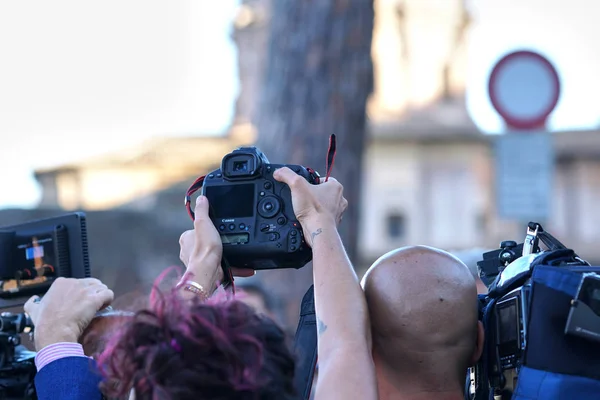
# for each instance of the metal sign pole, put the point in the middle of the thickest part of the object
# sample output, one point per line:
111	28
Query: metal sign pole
524	88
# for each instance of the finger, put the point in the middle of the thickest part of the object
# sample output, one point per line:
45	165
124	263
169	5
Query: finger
201	209
288	176
183	256
103	298
31	304
90	281
97	288
184	239
186	244
202	220
243	272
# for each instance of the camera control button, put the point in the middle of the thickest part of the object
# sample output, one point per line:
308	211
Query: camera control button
293	233
273	236
242	226
281	220
222	227
268	185
231	227
211	176
261	194
219	175
269	207
293	240
293	248
264	227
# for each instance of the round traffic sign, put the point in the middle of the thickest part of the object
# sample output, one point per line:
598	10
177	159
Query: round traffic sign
524	88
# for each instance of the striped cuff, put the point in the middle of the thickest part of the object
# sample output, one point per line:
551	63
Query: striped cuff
57	351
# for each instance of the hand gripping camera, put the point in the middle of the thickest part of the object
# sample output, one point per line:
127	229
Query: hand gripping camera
253	212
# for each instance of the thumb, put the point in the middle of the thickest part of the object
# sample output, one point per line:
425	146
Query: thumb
285	175
201	209
202	222
31	304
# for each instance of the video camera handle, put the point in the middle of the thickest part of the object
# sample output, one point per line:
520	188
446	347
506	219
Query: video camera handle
535	233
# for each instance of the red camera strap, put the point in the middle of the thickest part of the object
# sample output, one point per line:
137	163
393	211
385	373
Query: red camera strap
197	185
331	151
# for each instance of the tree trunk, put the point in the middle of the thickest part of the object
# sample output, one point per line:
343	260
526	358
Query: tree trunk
319	75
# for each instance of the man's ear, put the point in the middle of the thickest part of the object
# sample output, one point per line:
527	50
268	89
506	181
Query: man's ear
478	344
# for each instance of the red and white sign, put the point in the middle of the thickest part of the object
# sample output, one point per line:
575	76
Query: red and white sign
524	88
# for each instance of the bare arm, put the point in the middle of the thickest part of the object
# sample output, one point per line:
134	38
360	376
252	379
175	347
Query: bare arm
346	368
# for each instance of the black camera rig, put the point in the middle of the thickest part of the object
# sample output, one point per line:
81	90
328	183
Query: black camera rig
17	366
32	256
507	308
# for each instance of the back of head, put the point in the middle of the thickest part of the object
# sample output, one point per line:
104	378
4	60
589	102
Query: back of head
95	337
423	308
178	349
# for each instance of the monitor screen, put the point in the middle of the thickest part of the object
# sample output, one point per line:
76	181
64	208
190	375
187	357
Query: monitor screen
231	201
507	322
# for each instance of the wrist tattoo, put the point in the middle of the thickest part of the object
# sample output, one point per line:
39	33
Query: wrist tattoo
315	234
321	327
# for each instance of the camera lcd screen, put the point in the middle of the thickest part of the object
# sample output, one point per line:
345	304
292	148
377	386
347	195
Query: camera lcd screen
231	201
589	293
508	323
235	238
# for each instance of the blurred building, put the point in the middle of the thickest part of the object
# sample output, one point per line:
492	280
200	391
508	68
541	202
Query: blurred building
428	176
133	178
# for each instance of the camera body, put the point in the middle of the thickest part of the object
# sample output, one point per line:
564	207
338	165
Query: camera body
253	212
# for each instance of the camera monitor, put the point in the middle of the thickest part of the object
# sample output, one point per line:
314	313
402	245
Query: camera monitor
34	254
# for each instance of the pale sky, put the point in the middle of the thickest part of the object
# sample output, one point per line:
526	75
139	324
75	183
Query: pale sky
80	78
564	31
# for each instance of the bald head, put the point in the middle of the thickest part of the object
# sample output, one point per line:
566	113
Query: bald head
423	308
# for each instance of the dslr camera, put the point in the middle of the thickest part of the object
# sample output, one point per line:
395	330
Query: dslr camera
253	212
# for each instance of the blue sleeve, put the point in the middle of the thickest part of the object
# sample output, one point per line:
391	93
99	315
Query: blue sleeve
69	378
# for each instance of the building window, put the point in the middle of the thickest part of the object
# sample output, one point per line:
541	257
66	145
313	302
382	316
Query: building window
396	226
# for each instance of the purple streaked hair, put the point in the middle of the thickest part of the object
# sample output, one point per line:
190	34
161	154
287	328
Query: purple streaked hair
189	349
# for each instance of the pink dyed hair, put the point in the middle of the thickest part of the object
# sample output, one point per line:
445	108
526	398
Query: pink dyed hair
182	349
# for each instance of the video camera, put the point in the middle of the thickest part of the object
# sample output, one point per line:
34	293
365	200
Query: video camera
32	256
509	308
253	212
